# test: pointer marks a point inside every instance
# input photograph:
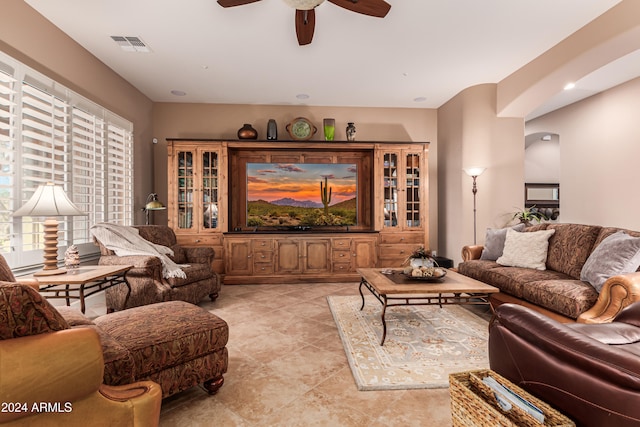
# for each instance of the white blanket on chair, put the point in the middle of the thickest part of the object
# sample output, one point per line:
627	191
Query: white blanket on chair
125	241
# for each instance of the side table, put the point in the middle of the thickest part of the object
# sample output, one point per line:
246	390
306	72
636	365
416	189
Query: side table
84	282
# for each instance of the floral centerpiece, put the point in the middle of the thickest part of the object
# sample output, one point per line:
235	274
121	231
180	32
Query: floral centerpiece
420	257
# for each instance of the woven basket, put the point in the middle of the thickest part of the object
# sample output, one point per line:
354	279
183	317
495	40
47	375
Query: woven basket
473	404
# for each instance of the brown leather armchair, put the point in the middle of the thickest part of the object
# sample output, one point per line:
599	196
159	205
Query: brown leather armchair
51	376
590	372
147	284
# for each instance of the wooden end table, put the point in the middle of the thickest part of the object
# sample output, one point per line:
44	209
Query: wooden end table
394	289
75	285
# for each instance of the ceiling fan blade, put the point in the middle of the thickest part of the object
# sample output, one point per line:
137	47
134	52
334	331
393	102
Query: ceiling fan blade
377	8
231	3
305	24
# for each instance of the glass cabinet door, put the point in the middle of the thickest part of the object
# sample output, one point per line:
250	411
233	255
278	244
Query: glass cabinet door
209	189
390	173
402	188
185	189
412	176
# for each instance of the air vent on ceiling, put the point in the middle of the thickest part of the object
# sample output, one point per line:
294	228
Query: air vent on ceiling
131	44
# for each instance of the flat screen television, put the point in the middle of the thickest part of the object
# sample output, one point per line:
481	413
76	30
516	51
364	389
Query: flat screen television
301	195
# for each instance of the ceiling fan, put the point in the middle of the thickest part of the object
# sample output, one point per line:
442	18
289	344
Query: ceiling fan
306	17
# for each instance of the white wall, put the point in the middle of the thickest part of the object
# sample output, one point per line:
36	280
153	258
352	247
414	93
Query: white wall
542	159
599	154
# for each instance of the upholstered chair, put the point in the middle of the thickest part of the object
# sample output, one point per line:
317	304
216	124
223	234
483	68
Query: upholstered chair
147	284
51	375
175	344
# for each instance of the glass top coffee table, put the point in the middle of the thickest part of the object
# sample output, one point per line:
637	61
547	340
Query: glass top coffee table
393	288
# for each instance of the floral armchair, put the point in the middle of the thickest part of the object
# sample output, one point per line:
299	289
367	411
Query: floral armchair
147	284
162	348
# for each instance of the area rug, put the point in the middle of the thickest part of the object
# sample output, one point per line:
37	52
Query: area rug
423	343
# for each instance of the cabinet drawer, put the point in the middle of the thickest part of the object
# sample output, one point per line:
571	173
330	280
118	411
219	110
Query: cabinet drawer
395	251
259	244
341	267
261	256
199	239
396	238
261	268
341	243
343	256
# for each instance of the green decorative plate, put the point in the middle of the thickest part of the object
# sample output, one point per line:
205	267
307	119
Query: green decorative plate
301	129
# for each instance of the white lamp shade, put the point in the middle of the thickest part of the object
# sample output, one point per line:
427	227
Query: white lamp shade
49	200
303	4
474	171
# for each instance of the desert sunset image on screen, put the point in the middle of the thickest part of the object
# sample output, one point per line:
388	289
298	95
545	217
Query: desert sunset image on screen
301	194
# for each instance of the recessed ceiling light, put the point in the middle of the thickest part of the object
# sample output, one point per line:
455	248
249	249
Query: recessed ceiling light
569	86
420	99
178	92
302	96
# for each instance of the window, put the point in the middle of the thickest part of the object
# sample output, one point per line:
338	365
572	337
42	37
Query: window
50	134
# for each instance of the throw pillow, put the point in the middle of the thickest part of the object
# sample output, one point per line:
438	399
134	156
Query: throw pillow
619	253
527	250
494	241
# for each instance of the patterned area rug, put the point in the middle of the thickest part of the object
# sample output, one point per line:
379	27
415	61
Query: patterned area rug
423	344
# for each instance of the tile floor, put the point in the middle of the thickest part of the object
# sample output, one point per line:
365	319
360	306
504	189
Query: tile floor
287	367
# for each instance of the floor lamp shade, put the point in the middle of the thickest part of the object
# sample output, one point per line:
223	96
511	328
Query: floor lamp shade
49	201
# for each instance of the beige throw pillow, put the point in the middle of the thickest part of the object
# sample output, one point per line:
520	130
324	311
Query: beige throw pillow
526	249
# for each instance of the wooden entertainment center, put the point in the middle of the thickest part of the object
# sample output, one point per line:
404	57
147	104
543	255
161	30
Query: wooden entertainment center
208	206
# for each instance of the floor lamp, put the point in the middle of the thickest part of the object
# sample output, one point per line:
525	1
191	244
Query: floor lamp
153	204
474	173
49	201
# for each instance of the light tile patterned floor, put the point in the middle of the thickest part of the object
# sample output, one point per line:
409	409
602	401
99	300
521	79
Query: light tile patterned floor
287	367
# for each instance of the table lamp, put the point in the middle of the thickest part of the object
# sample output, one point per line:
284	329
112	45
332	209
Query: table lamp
49	201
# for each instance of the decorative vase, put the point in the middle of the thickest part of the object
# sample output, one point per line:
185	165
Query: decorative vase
272	130
72	259
351	132
420	262
247	132
329	129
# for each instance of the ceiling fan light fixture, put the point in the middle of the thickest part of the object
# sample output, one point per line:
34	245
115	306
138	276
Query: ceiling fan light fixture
303	4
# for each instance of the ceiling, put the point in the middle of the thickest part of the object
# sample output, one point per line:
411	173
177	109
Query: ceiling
420	55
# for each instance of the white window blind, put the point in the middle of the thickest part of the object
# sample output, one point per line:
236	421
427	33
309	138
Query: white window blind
51	134
7	154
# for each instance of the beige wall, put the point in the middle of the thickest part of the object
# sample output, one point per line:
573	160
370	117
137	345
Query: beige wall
174	120
31	39
599	152
470	134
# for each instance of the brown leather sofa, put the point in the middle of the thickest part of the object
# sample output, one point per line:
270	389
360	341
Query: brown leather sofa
147	284
51	376
558	291
589	372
